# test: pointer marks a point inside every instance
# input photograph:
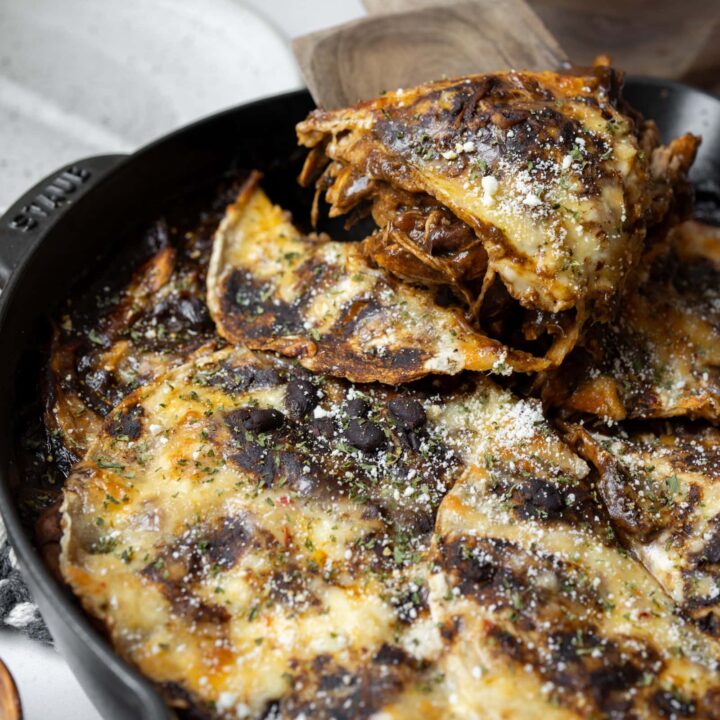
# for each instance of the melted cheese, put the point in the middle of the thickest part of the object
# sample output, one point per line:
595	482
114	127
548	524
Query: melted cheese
663	491
549	616
545	167
291	566
242	568
270	288
661	357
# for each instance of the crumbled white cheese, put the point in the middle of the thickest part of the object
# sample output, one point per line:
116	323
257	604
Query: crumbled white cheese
490	187
225	701
242	711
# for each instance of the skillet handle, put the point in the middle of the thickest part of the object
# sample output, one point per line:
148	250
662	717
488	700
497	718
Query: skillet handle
28	220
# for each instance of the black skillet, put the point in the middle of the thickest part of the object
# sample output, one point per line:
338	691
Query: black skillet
62	226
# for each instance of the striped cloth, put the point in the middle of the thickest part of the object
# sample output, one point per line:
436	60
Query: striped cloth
17	609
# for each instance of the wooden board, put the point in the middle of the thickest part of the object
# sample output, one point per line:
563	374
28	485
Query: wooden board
10	708
663	38
361	59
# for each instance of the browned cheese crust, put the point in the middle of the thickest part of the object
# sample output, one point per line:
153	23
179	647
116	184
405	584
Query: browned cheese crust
661	357
516	187
339	514
113	340
662	491
261	542
272	288
255	538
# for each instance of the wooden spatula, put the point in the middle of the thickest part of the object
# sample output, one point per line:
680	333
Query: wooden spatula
10	708
407	42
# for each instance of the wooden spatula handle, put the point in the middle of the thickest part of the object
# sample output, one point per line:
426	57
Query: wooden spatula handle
10	708
408	46
646	37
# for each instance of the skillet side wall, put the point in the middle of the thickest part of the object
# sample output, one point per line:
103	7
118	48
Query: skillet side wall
257	135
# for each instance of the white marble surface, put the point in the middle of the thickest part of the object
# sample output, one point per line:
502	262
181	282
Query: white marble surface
81	77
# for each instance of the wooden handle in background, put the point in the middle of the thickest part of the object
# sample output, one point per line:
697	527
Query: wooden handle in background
405	47
664	38
10	708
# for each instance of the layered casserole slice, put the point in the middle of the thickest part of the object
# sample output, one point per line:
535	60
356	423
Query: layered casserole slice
526	196
270	287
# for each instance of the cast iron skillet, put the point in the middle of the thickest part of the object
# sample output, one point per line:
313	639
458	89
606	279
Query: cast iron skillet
63	224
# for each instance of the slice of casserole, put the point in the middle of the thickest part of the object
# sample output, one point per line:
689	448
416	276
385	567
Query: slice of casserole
529	195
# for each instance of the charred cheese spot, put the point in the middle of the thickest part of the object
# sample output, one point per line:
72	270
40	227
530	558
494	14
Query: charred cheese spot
301	397
126	424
